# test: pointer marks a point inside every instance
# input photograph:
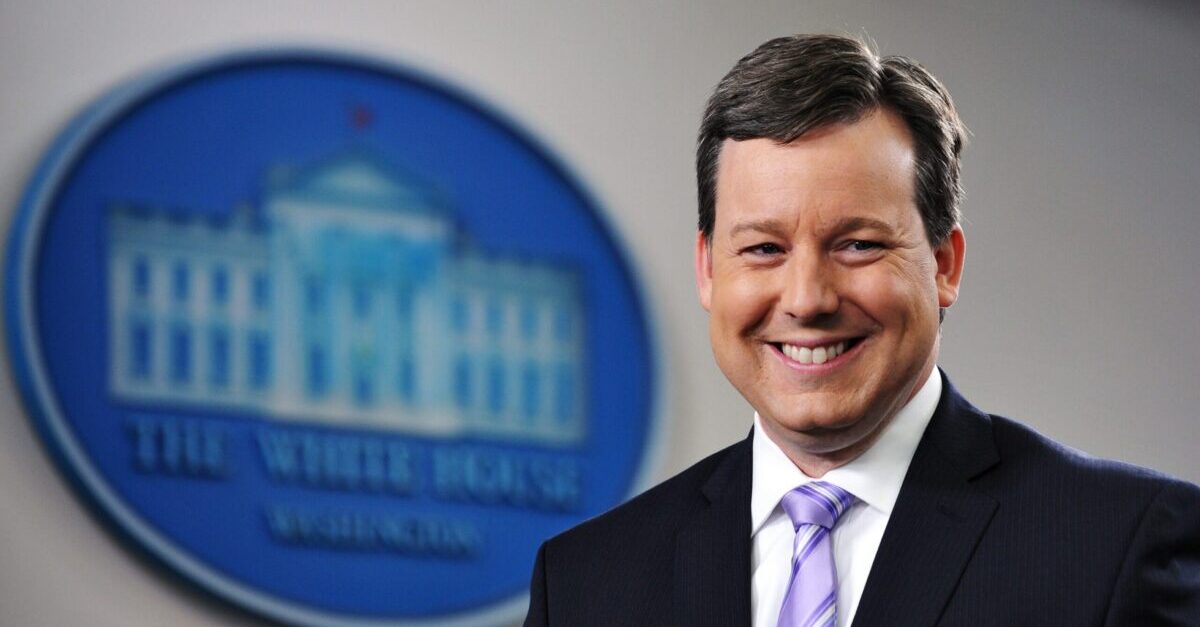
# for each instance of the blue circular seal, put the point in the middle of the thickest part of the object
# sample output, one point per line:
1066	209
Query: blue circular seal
328	337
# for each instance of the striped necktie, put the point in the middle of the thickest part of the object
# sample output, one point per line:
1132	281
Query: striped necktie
811	599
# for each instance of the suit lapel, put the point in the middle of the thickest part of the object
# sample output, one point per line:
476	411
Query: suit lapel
937	521
712	558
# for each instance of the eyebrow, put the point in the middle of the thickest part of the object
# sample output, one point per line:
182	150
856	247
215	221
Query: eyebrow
840	225
770	227
854	223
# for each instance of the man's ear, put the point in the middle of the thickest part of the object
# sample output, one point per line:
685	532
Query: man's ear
949	256
703	270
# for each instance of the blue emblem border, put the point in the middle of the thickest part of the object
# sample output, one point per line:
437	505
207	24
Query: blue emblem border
40	402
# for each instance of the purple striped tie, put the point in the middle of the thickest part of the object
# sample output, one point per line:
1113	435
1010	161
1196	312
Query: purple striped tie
811	599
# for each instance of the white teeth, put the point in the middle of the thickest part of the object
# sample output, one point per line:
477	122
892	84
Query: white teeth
818	355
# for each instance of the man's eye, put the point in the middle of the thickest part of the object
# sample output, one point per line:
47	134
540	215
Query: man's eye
764	249
862	245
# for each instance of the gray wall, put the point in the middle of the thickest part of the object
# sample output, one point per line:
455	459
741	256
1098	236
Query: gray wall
1081	298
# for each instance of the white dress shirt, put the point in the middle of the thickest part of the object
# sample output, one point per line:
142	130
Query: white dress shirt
874	478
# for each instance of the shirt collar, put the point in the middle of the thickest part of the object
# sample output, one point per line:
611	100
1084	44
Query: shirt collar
873	477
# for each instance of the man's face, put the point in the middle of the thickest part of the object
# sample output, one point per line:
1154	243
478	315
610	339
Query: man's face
822	287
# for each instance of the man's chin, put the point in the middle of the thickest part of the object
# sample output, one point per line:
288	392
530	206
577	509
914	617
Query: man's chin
816	431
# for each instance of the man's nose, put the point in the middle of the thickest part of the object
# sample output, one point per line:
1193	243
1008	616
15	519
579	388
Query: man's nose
810	290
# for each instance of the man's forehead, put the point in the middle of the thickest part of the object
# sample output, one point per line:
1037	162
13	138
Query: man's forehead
882	134
840	169
880	127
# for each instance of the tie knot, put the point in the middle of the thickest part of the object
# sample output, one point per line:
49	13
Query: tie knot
816	503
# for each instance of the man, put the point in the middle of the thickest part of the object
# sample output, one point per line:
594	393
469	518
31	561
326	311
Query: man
869	492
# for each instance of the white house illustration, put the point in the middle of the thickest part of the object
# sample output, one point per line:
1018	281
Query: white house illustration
348	298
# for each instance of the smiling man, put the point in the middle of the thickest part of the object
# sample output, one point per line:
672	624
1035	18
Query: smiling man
869	491
822	285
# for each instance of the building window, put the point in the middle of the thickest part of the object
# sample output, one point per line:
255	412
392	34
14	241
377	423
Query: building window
314	295
361	295
260	291
316	378
562	323
364	389
531	391
462	382
260	360
141	349
460	314
404	301
141	278
496	396
564	393
406	378
362	374
495	317
529	320
179	282
220	285
218	357
181	353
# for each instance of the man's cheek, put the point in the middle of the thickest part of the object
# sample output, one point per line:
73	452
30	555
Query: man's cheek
743	284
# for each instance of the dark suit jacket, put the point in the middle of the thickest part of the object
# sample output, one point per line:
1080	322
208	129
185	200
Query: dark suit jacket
994	525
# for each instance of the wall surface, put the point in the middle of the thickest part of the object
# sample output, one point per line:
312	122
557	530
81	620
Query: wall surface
1081	297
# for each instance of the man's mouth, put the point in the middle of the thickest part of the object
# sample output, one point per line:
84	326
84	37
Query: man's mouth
816	354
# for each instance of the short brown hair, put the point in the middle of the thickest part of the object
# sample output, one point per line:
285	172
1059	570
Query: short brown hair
791	85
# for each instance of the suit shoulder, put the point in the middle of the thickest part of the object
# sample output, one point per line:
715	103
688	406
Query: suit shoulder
657	511
1130	531
1022	445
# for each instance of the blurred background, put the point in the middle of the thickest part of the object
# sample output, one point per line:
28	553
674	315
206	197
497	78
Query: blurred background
1081	299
